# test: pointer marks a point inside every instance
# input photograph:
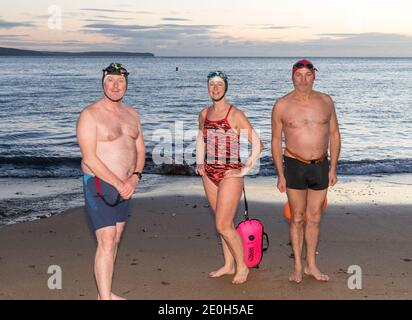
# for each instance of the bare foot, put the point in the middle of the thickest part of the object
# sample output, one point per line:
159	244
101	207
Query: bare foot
240	276
315	272
112	297
222	271
116	297
296	276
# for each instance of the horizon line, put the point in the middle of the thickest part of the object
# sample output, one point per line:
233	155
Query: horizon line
195	56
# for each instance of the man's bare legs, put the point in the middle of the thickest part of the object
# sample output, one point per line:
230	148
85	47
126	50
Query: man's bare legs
104	260
315	199
297	203
227	199
119	231
108	240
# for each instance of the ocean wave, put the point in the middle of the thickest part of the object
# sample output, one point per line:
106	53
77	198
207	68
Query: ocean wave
64	167
366	167
28	160
360	167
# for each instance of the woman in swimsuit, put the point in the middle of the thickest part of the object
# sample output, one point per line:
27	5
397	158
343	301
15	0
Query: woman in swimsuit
218	162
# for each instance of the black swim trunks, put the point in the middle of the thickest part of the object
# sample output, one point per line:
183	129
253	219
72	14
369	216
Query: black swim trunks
304	176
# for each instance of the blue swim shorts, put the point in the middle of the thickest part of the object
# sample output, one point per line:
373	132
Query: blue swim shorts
99	213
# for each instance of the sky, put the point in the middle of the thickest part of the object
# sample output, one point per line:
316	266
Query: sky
360	28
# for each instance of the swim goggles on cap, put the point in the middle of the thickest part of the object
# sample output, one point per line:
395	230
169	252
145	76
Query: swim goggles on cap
117	69
218	73
299	65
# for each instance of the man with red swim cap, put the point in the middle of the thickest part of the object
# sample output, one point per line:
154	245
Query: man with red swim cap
307	118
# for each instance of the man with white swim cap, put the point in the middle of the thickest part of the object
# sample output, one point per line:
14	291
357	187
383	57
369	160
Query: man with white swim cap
308	121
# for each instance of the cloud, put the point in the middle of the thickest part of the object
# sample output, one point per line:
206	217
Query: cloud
207	40
12	36
159	32
106	18
363	44
12	25
115	11
174	39
285	27
275	27
104	10
335	45
70	45
107	27
115	30
174	19
338	35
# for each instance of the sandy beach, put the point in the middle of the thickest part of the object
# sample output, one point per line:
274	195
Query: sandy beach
170	245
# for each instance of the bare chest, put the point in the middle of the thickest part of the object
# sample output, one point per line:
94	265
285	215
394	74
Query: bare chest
300	116
116	127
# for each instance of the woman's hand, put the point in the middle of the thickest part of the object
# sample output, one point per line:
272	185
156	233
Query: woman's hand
200	169
237	173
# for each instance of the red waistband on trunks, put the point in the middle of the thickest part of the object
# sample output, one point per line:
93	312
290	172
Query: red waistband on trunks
304	160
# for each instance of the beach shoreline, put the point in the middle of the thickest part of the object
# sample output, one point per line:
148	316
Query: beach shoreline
170	245
23	199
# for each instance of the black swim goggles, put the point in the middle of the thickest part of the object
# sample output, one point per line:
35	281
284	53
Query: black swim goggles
116	69
299	65
217	73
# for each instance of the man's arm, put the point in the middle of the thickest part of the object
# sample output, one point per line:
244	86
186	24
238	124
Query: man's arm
86	131
133	180
277	128
140	148
334	145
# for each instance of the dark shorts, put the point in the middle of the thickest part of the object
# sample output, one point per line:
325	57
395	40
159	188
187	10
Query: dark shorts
100	214
303	176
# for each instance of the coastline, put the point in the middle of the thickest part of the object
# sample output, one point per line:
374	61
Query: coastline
24	199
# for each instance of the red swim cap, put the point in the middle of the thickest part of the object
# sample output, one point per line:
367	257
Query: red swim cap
304	64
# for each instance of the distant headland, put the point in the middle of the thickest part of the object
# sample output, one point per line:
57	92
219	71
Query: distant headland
20	52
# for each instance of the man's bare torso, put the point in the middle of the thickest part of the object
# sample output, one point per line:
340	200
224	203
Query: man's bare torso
306	124
117	131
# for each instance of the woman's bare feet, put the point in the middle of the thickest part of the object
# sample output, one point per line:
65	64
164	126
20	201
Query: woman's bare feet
296	276
241	275
116	297
223	271
112	297
315	272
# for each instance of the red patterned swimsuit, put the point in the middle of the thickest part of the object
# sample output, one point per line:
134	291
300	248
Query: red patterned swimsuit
221	148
